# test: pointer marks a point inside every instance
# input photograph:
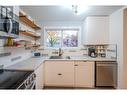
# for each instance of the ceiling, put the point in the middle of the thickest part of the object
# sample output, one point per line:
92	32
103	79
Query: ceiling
61	13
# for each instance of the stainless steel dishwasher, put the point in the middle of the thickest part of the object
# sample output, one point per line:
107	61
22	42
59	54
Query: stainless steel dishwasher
106	74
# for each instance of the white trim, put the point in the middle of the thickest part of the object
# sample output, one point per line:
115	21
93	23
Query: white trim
63	27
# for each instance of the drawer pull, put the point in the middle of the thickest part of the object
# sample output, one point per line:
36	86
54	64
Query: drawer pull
59	74
76	65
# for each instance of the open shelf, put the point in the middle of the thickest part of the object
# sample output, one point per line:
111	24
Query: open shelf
27	21
28	33
24	45
21	14
23	40
24	18
36	45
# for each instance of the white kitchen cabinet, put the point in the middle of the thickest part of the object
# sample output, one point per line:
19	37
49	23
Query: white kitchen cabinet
59	73
84	74
69	73
96	30
39	77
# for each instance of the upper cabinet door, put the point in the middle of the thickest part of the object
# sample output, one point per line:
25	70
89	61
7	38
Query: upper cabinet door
96	30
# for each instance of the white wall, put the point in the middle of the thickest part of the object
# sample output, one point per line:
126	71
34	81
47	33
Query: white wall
116	37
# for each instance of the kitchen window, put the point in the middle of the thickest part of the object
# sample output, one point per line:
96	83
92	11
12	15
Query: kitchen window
61	37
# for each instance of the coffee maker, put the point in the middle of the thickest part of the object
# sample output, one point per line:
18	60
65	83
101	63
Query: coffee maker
92	52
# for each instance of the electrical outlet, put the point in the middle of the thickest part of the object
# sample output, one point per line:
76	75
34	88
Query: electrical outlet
5	54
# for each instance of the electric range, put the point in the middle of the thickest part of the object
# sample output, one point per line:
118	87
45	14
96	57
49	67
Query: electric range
16	79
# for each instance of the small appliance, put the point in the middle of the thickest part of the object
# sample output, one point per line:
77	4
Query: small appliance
92	52
106	74
9	25
37	54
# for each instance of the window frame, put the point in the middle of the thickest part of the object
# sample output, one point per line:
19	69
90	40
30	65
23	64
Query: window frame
62	28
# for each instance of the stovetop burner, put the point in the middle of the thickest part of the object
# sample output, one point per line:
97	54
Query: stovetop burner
11	79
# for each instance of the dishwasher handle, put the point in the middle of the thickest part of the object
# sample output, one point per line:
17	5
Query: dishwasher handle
106	64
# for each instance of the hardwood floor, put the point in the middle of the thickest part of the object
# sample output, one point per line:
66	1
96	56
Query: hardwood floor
79	88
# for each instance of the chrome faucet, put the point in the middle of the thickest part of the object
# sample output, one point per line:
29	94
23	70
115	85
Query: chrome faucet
60	52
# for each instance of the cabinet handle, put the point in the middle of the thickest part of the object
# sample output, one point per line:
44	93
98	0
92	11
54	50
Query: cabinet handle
59	74
75	65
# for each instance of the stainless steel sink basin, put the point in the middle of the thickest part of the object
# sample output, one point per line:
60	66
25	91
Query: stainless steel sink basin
59	57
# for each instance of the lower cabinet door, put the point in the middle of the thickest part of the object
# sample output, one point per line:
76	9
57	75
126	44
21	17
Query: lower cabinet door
59	73
84	74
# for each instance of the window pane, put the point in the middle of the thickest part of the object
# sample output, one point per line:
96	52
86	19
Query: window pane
70	38
53	38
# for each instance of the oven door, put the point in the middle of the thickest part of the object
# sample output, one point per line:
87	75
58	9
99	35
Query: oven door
3	32
14	33
9	28
8	25
27	86
29	83
5	27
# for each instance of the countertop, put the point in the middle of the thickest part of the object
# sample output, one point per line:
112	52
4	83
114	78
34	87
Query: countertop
83	58
34	62
30	64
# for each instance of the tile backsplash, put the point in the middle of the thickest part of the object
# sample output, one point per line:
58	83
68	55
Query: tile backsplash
17	55
20	54
66	52
108	50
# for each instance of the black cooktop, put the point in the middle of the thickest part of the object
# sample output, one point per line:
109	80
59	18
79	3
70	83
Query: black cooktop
12	79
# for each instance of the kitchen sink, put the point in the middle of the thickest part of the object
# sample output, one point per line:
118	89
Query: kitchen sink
59	57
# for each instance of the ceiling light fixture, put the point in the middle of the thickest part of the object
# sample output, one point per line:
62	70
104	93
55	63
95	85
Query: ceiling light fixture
75	9
79	9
